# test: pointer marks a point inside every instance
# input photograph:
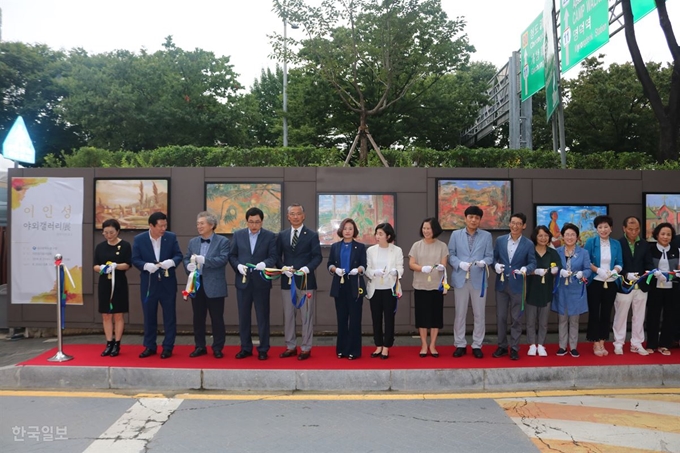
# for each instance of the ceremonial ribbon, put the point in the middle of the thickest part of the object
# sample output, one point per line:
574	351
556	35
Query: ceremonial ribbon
524	289
397	293
485	276
444	285
63	271
112	276
294	289
193	284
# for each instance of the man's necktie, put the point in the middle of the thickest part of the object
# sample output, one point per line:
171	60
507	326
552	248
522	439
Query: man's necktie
295	239
205	240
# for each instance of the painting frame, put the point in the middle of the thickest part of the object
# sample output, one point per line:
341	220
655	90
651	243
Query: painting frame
581	215
497	211
653	215
241	196
114	198
367	212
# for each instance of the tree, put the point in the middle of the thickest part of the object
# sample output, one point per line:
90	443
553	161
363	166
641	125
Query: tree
375	52
667	115
30	86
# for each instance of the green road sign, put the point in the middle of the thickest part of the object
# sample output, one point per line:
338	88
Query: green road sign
641	8
585	28
551	71
531	59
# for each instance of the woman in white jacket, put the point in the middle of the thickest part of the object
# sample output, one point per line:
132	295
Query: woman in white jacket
385	266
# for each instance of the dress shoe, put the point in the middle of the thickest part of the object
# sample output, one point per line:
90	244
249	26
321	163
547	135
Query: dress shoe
108	349
218	354
422	355
262	356
304	355
341	356
243	354
377	354
385	356
514	354
434	354
288	353
166	354
147	353
459	352
352	357
477	352
116	349
500	352
561	352
198	352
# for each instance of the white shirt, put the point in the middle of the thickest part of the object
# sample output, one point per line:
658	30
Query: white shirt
156	244
292	233
512	246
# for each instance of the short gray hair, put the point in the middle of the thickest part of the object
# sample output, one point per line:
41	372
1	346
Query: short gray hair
209	217
295	205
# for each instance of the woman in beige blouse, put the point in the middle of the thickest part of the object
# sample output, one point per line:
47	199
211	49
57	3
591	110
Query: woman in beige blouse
427	260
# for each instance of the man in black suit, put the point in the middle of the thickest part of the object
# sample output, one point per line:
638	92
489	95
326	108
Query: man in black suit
253	245
156	253
298	249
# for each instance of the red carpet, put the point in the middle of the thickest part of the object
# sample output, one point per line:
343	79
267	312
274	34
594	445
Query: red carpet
323	358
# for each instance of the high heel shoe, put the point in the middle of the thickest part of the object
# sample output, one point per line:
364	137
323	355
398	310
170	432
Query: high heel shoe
423	355
434	354
384	356
376	353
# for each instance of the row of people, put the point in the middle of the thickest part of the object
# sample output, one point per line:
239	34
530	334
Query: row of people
522	268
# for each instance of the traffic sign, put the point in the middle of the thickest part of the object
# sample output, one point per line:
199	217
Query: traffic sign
18	145
532	59
584	29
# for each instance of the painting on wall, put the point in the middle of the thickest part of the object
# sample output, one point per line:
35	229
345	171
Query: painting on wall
660	208
130	201
230	201
555	216
494	197
367	210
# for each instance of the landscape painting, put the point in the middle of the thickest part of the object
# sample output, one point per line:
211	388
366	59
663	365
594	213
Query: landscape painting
367	210
555	216
494	197
230	201
130	201
660	208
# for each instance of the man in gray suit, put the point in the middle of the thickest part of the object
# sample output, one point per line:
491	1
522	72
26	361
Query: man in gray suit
209	254
256	246
515	258
470	252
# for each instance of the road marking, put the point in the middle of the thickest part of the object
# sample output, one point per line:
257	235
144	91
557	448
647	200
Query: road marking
136	428
637	403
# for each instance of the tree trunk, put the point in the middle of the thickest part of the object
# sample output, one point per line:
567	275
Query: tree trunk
363	140
668	140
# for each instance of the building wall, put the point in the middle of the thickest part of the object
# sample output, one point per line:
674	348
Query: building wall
415	190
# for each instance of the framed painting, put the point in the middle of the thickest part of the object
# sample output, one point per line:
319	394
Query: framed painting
555	216
130	201
367	210
660	207
230	201
493	196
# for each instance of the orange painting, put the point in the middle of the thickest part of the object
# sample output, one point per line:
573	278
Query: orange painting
230	201
130	201
494	197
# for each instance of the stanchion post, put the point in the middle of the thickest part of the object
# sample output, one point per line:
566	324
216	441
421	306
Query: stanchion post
59	356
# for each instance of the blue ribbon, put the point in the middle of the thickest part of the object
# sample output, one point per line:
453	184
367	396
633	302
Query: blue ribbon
293	295
62	296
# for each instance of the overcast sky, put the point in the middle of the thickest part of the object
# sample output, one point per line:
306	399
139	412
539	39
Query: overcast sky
239	28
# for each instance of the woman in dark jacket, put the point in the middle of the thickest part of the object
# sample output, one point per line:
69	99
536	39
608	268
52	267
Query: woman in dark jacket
347	263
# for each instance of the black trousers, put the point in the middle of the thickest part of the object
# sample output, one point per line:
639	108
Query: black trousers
246	298
202	305
383	306
600	304
661	303
348	310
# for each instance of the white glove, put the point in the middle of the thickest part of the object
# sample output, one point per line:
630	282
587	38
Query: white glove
521	270
660	277
441	267
354	271
339	271
602	273
480	263
200	259
150	268
464	265
426	269
579	275
554	269
540	272
499	268
617	269
378	272
191	267
304	269
260	266
167	264
242	269
631	276
394	272
565	273
288	274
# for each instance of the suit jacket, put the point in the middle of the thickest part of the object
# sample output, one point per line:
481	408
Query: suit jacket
214	270
571	299
639	262
525	256
395	260
142	253
459	250
307	253
594	250
357	258
265	251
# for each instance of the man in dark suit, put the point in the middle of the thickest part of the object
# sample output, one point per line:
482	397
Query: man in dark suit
514	257
156	253
298	248
249	246
209	254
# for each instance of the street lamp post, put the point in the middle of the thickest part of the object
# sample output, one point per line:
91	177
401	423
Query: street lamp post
285	79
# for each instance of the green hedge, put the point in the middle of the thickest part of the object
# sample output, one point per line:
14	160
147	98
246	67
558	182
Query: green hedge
192	156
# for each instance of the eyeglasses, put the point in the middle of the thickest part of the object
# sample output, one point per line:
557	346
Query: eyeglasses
254	222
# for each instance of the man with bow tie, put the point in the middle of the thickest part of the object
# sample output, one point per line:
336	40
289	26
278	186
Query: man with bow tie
208	254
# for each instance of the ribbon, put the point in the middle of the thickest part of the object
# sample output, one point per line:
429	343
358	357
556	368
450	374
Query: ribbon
444	285
63	295
485	277
112	276
524	289
397	293
193	284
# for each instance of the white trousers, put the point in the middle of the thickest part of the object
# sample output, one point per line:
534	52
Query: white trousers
638	300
